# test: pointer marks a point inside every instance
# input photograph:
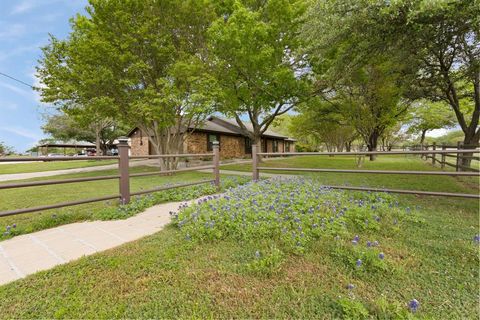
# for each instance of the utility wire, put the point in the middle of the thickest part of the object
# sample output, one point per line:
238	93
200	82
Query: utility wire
20	81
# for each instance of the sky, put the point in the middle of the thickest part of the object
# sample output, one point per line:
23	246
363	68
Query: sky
24	29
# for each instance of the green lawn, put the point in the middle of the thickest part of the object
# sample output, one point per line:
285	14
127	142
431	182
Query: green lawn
430	257
28	167
412	182
44	195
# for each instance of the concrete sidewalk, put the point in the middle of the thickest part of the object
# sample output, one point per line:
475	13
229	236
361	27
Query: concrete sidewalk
30	175
27	254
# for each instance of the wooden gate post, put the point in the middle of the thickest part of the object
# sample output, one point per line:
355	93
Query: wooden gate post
255	173
442	164
434	147
123	167
216	163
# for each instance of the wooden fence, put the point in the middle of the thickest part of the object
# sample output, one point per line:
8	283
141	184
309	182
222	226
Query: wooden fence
256	168
457	157
123	176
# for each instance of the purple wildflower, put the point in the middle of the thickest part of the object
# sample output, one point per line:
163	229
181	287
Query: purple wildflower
358	263
369	244
14	225
413	305
257	254
476	239
8	228
350	286
375	243
381	255
354	242
356	238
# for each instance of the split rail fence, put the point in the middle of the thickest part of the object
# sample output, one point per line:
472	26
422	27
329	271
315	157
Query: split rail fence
123	176
457	157
256	168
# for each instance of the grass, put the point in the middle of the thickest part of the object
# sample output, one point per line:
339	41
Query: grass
29	167
412	182
190	273
431	258
44	195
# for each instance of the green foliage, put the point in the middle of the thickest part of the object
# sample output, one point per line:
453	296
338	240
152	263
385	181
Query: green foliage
140	61
292	213
439	39
139	203
352	309
427	116
265	263
5	149
254	61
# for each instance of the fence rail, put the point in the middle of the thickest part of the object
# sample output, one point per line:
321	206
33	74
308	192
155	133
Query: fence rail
256	168
124	177
459	155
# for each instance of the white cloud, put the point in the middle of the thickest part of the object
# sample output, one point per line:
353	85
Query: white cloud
12	31
23	132
23	6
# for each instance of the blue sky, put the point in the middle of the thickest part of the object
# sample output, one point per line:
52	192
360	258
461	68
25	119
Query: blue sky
24	28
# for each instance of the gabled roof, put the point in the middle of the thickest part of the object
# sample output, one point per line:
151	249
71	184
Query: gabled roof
231	123
228	126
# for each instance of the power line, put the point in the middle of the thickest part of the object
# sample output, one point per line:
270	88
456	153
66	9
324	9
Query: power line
15	79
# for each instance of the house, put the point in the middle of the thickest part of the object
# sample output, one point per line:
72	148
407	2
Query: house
233	143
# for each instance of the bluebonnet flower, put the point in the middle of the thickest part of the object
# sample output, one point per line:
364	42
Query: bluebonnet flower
257	254
476	239
369	244
8	228
381	255
375	243
358	263
413	305
14	225
356	238
354	242
350	286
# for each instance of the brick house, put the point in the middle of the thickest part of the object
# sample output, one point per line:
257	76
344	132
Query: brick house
233	143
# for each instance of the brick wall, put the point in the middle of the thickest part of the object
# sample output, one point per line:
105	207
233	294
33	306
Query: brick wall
230	146
138	144
195	143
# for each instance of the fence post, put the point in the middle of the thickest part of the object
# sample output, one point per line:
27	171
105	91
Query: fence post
255	175
444	147
434	147
123	167
457	166
216	163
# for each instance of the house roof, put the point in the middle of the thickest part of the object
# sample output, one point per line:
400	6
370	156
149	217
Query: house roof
67	144
248	125
228	126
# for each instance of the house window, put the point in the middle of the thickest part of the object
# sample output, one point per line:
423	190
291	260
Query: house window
287	146
210	139
275	145
248	145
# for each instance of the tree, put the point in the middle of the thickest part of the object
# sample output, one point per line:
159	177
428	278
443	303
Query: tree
5	149
314	127
439	39
254	60
427	116
66	127
142	62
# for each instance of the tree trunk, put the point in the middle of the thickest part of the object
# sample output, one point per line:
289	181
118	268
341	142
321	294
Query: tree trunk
469	142
98	141
422	138
372	144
